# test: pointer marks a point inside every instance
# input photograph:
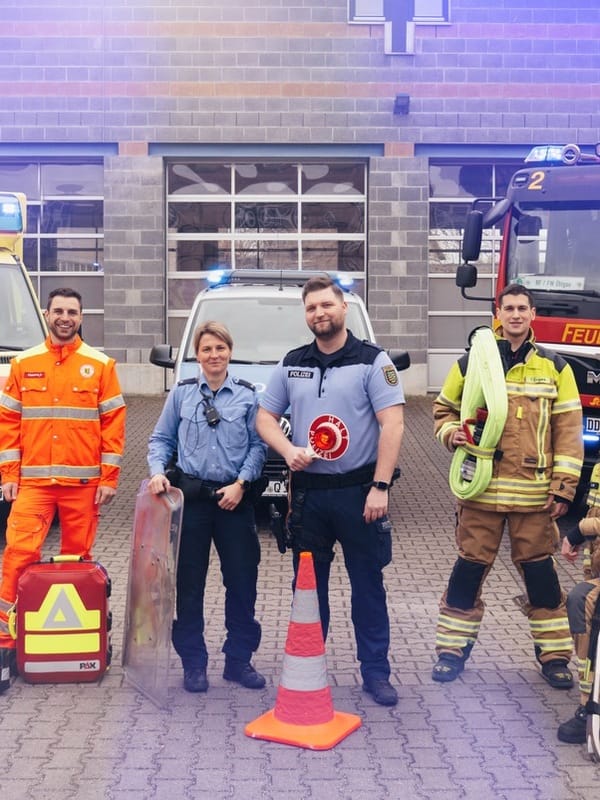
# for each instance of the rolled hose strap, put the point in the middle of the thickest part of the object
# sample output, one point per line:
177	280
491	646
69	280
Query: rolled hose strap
485	387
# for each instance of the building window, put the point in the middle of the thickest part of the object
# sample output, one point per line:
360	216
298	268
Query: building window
267	216
423	11
453	186
64	239
263	215
431	11
366	11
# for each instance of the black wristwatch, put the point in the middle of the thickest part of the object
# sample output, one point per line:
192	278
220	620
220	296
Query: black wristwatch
382	486
243	483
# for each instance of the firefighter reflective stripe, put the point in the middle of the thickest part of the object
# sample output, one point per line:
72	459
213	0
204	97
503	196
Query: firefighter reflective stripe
593	498
73	627
586	675
456	633
536	390
516	493
587	560
566	464
551	635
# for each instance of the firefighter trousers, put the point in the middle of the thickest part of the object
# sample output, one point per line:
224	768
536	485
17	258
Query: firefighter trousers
29	521
581	602
533	540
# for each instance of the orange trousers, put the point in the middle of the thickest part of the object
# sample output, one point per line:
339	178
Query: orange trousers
28	524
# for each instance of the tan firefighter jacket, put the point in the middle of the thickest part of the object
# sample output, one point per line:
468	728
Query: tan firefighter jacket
540	451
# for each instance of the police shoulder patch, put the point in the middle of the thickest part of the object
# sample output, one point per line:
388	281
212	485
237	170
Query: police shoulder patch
390	374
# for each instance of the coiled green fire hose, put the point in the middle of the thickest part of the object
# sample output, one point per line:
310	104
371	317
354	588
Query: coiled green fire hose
484	387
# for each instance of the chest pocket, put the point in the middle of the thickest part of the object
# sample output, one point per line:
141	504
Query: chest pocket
34	394
234	428
85	394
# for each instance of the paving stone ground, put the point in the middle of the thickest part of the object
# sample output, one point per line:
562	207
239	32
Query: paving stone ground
489	735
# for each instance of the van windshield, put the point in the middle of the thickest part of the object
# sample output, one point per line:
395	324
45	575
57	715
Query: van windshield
265	328
20	323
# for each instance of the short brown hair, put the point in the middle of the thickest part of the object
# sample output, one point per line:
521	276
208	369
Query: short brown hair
215	329
64	292
320	282
515	289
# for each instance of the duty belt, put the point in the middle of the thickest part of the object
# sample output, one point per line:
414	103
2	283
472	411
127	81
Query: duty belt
195	488
314	480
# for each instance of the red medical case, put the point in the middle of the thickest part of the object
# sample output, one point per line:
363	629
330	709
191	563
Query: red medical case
63	621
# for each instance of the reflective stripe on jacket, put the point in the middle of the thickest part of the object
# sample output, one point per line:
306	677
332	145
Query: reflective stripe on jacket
62	417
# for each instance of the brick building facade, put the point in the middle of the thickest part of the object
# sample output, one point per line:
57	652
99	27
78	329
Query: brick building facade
156	139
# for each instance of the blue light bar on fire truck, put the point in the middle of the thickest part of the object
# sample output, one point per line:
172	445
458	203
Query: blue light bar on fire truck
548	153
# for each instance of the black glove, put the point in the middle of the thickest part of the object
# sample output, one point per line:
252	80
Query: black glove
575	536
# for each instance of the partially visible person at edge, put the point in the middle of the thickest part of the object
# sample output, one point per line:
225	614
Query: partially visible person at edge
62	434
583	599
356	387
535	473
208	422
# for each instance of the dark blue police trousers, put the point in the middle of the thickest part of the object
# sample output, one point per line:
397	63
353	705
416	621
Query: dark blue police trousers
236	541
336	514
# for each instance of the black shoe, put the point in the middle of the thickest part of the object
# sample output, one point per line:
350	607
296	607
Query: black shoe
195	680
381	691
243	672
574	731
448	668
8	667
557	673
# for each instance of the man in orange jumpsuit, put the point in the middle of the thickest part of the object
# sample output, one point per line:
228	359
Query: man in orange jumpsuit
62	433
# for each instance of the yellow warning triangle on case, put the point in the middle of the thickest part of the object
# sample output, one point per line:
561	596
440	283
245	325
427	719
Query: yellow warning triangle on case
62	609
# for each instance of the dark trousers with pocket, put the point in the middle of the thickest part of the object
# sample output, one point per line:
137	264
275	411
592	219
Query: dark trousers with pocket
327	515
236	541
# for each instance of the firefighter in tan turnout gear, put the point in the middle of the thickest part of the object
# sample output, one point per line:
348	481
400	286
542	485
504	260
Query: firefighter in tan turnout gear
535	472
583	604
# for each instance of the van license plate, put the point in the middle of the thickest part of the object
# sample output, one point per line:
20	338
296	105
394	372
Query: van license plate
275	489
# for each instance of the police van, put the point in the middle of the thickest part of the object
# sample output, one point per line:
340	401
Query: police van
264	312
22	323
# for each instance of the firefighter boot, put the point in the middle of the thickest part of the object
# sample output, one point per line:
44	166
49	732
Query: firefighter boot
8	667
574	730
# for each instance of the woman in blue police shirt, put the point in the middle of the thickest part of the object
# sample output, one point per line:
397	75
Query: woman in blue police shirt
209	422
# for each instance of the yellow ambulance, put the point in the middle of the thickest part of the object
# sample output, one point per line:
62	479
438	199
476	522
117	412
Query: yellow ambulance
22	323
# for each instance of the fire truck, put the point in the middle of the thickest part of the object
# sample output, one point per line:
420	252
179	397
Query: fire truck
550	223
22	323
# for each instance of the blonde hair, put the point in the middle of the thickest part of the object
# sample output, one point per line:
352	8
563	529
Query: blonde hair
215	329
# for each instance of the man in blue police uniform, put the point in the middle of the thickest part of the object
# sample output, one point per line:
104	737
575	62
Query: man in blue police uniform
346	405
210	422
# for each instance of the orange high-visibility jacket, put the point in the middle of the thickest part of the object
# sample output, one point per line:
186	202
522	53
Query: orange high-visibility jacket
62	417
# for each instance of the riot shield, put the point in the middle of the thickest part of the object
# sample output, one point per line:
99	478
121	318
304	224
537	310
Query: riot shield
151	591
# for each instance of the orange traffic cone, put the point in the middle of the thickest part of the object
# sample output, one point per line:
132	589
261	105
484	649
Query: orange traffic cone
303	715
